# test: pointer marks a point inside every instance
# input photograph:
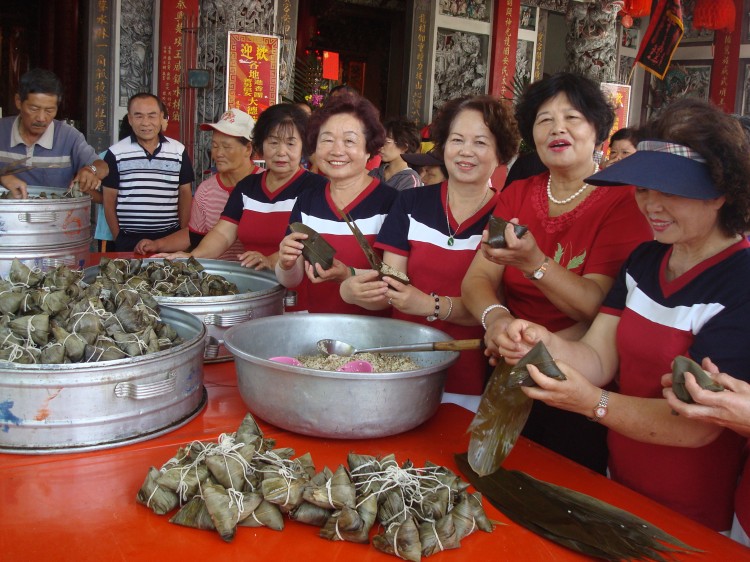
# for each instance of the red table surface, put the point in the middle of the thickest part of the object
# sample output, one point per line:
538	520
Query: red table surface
81	506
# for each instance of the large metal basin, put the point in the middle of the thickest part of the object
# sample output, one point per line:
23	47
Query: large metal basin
260	295
86	406
333	404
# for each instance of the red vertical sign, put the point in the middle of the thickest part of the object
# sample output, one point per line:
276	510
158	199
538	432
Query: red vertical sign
173	15
504	45
619	98
252	72
662	37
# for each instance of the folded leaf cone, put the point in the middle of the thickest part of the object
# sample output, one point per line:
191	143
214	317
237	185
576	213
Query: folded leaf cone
496	231
315	248
682	364
501	415
504	409
540	357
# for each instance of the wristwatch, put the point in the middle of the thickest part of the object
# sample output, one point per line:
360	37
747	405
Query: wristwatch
601	408
539	272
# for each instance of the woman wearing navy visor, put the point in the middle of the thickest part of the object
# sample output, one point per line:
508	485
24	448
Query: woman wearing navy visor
687	292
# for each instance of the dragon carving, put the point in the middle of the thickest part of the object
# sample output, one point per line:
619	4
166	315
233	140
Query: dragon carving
591	42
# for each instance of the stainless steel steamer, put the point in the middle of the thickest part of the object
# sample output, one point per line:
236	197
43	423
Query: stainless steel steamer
88	406
45	233
260	295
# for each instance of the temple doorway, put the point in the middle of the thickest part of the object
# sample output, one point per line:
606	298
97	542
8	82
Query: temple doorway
369	37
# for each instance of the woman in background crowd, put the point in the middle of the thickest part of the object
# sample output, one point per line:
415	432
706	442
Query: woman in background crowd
622	144
401	137
578	236
429	166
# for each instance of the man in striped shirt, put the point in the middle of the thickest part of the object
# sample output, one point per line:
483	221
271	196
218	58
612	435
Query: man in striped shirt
148	191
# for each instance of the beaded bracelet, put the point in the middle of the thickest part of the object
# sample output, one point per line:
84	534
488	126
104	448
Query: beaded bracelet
450	307
490	309
435	314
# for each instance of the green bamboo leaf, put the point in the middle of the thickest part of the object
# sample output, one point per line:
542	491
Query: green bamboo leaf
577	521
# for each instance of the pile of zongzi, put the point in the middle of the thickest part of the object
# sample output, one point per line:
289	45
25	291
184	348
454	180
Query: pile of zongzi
69	194
55	317
423	511
243	481
178	278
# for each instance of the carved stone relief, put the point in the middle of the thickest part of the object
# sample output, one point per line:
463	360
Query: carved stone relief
217	17
591	42
136	48
460	65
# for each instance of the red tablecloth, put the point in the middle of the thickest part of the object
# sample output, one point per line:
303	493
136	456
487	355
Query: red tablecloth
81	506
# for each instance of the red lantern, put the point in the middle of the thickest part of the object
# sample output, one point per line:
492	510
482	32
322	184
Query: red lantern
714	14
637	8
634	9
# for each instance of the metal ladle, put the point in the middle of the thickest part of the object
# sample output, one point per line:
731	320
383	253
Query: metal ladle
343	349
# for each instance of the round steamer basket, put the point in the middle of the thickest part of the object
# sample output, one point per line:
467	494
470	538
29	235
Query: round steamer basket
30	224
74	255
260	295
89	406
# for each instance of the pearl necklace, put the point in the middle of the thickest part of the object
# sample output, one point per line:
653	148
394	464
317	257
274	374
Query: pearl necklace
567	199
451	235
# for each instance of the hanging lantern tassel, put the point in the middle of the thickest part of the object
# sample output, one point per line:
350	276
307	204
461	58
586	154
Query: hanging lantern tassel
714	14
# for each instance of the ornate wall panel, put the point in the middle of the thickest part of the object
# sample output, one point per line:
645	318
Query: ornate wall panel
136	48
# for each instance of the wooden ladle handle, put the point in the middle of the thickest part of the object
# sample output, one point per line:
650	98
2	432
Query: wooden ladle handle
458	345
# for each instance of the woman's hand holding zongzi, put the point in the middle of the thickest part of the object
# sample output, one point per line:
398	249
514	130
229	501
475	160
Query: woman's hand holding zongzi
290	249
730	408
522	253
366	290
575	393
410	300
339	272
512	340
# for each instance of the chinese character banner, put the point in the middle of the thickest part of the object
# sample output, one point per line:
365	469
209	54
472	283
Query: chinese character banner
252	72
619	98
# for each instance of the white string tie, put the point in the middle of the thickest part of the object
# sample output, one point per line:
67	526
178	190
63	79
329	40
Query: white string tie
437	537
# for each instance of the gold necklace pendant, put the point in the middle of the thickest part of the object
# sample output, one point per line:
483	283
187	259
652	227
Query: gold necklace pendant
451	235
